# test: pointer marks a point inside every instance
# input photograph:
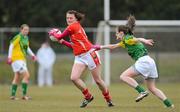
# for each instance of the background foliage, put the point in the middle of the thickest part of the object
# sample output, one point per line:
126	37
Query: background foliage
51	13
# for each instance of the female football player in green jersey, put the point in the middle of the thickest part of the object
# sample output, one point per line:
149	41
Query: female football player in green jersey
18	49
144	65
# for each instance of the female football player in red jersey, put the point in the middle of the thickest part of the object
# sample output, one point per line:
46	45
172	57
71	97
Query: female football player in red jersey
85	56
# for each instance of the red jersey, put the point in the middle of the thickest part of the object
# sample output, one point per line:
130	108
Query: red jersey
79	39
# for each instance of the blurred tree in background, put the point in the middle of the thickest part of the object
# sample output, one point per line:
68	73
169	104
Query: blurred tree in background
47	13
146	10
51	13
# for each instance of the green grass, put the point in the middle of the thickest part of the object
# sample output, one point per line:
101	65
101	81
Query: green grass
67	98
168	67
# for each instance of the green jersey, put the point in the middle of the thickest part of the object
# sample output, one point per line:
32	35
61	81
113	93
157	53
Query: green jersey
21	45
135	49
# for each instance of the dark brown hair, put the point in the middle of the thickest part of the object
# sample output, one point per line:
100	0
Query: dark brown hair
79	16
129	27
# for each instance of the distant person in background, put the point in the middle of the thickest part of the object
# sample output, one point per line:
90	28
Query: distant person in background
144	65
46	58
18	49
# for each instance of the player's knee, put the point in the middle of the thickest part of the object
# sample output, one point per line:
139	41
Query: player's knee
28	76
15	81
26	79
73	79
122	77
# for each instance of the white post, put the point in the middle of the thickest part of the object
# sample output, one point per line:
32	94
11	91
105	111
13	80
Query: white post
107	41
106	10
107	56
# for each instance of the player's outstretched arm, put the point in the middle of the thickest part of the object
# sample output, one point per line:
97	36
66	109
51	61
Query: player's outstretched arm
145	41
110	46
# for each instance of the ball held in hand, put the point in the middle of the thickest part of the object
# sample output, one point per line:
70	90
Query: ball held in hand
52	32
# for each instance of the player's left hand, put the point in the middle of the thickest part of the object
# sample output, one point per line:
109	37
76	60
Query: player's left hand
9	61
34	58
52	31
149	42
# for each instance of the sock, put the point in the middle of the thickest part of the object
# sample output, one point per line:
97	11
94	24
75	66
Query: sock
86	94
140	89
106	95
24	88
13	89
167	102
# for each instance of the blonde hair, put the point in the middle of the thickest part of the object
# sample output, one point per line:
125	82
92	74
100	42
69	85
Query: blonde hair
23	25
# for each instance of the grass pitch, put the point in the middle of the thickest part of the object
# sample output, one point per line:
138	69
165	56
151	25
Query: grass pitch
67	98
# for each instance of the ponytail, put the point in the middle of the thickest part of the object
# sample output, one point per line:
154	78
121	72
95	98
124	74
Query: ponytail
129	27
131	24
